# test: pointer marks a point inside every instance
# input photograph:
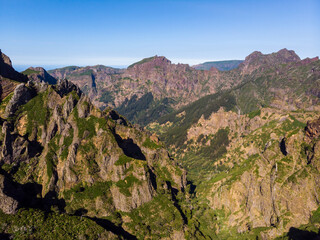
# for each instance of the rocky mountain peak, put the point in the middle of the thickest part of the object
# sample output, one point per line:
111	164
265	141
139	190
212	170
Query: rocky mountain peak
150	62
256	59
5	59
39	74
7	71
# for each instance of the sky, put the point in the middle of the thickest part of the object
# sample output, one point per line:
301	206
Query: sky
117	33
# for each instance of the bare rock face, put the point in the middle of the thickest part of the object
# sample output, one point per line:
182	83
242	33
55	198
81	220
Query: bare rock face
256	60
22	94
40	74
7	71
313	129
7	204
7	87
7	74
64	87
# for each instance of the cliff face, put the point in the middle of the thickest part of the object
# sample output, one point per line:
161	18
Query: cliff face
6	70
256	59
7	75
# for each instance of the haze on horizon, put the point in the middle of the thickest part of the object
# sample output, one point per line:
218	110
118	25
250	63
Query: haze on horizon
118	33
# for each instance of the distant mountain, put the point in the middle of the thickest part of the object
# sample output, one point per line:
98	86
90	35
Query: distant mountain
39	73
220	65
290	87
257	60
164	85
153	87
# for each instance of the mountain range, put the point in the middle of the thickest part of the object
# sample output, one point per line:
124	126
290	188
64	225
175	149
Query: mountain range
230	154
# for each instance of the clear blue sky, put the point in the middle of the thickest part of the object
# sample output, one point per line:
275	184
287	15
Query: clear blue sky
69	32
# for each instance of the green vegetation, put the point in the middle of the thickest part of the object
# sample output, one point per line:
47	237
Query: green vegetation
30	71
254	114
106	97
148	143
82	192
158	218
87	72
37	113
51	157
200	161
36	224
142	61
127	183
66	143
5	101
123	159
145	109
204	106
305	231
88	124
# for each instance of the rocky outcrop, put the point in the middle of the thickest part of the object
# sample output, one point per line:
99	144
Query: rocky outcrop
7	74
7	71
313	129
39	74
7	204
256	60
21	95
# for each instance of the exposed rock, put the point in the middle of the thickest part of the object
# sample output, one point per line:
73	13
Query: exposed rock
84	107
7	204
7	71
6	87
39	74
64	87
313	129
21	95
256	60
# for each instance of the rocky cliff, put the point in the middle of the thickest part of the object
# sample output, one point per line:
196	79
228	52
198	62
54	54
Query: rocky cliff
8	76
